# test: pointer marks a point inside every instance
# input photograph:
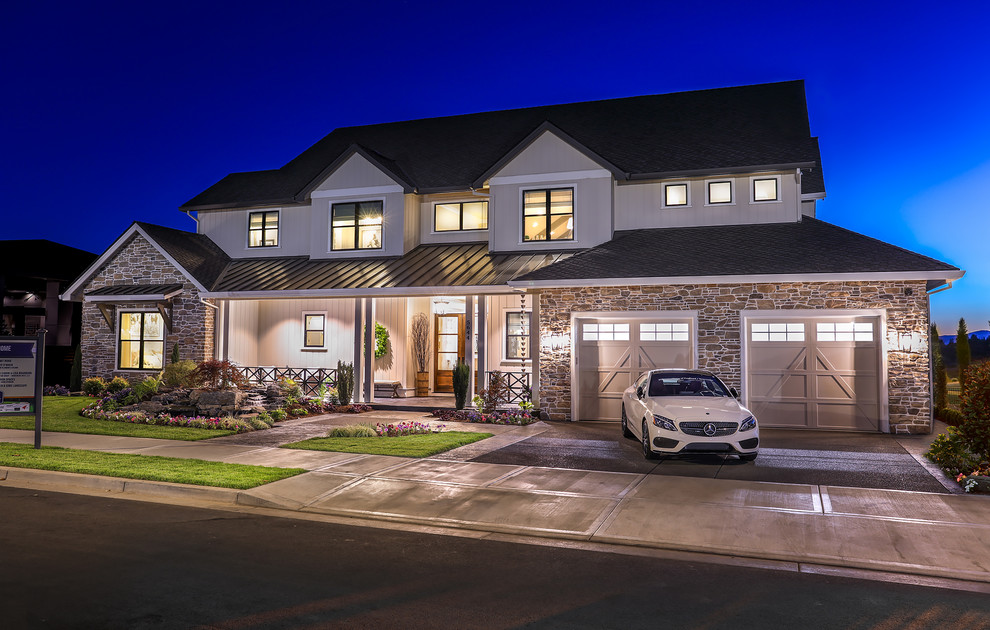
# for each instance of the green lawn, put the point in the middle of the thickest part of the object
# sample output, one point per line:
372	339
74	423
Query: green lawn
61	414
150	467
422	445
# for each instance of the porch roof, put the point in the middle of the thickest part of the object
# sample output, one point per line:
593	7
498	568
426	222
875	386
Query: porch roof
133	292
440	267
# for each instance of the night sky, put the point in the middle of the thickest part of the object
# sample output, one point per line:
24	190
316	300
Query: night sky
115	112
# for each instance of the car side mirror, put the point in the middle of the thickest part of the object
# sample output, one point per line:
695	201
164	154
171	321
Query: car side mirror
735	394
640	392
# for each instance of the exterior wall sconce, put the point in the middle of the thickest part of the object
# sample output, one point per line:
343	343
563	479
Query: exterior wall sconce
555	341
906	342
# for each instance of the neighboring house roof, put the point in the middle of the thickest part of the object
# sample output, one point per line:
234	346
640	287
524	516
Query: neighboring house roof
42	259
428	267
642	136
809	247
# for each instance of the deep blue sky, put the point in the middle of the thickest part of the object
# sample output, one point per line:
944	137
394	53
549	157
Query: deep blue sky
115	112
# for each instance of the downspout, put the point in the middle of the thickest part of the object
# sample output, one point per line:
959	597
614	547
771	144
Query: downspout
216	327
195	220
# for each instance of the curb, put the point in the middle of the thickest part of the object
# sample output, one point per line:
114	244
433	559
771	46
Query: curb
241	500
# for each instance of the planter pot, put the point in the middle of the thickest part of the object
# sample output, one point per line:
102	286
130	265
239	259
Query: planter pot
422	383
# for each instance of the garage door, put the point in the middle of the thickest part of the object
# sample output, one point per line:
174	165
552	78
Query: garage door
816	372
612	352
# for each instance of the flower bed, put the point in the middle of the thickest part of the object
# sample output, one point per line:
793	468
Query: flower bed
406	428
97	411
521	417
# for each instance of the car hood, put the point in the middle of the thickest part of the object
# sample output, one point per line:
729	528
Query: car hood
698	408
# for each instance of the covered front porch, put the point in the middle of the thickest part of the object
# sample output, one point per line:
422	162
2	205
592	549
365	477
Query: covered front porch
305	338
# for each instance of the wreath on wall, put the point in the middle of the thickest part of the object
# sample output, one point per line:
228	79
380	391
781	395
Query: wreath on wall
381	340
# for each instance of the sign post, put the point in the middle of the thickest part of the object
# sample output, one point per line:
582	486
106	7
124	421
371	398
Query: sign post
22	377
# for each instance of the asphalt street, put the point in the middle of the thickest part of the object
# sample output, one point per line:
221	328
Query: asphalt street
90	562
863	460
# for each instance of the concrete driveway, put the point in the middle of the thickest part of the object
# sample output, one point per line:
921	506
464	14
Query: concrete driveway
863	460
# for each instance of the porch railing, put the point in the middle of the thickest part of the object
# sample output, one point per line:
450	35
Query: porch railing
309	379
518	384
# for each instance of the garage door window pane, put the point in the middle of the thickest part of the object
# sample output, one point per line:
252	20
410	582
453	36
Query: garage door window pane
605	332
590	332
845	331
663	332
779	331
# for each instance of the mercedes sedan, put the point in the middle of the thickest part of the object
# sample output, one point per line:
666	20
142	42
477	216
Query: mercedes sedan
675	411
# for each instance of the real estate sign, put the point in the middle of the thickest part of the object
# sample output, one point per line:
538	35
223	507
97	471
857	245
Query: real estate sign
22	361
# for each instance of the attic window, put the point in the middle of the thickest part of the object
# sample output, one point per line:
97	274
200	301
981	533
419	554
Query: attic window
675	195
765	189
719	192
263	229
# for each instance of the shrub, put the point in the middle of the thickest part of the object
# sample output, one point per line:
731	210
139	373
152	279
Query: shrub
496	394
462	374
116	384
267	418
949	416
179	374
353	430
940	381
291	390
175	353
55	390
345	382
146	388
94	387
974	403
299	411
279	414
218	375
949	453
257	424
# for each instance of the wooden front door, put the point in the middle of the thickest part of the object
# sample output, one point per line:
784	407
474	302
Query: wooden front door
449	348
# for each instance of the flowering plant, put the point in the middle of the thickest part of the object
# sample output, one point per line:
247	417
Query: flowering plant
97	411
521	418
56	390
405	428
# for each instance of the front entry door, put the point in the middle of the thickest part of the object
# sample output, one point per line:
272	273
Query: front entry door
449	348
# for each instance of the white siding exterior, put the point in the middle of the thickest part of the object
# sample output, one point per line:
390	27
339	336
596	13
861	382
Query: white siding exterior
427	233
229	230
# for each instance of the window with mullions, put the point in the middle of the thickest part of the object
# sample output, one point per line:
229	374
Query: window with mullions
517	335
356	225
315	330
459	217
548	215
141	344
263	229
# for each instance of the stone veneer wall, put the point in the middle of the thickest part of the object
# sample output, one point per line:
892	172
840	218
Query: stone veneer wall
719	350
138	262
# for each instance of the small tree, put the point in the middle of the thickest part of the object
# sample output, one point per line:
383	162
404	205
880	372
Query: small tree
962	351
75	374
345	382
940	379
496	394
462	374
974	402
421	341
175	353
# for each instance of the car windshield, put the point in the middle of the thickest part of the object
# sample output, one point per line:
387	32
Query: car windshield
685	384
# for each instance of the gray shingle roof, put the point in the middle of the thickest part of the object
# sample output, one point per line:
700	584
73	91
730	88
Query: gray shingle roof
425	266
703	130
810	246
197	254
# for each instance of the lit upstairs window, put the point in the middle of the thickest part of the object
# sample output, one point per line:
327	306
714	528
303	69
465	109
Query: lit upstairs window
548	215
263	229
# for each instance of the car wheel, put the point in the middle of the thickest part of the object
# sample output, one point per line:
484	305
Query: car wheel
747	457
626	433
647	451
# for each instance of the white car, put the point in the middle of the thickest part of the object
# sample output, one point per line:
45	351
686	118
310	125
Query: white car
674	411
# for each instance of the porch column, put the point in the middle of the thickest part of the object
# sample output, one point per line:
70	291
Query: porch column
534	348
358	322
469	342
222	342
369	349
482	340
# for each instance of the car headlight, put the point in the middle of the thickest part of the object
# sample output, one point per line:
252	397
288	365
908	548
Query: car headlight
664	423
748	424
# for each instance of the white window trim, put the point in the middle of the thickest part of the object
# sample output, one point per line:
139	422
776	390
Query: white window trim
247	231
116	342
505	336
663	195
880	313
380	251
752	189
433	216
303	346
520	220
732	191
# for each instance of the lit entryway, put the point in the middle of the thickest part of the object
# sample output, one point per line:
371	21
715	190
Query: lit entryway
815	372
610	352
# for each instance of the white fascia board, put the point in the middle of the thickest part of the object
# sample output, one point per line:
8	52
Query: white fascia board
549	177
812	196
740	279
354	192
370	292
113	250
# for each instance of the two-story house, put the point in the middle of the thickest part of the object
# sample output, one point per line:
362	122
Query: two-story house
571	245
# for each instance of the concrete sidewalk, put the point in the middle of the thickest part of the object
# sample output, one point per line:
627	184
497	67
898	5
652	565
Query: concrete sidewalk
945	536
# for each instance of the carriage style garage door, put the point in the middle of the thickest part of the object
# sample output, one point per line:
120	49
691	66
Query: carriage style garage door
611	352
815	372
